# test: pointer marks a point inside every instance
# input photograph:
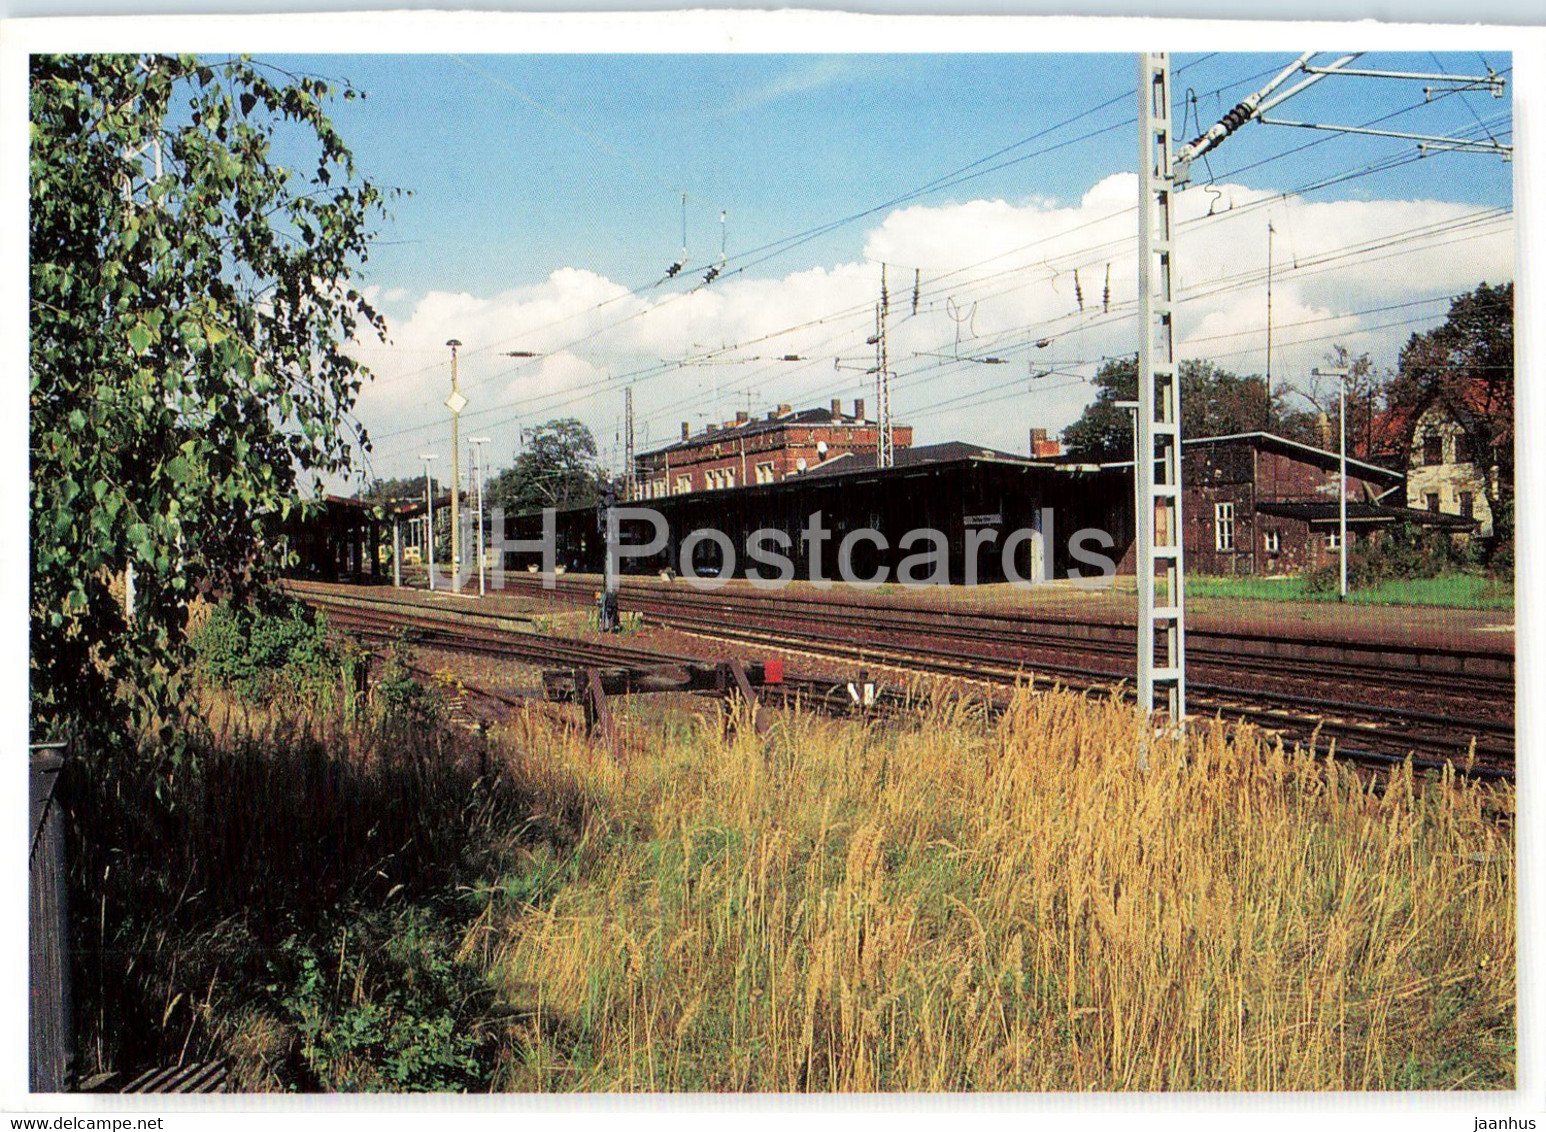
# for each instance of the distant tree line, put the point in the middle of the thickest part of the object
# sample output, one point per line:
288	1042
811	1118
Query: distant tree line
556	467
1214	402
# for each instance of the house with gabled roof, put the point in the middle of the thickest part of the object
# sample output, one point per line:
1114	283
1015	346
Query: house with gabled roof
1444	475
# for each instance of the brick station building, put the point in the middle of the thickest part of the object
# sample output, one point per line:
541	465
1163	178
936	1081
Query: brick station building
745	452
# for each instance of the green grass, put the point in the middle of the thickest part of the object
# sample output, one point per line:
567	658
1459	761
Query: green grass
1457	591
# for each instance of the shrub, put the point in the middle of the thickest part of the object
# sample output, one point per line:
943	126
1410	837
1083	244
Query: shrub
1403	551
295	897
1500	553
386	1006
400	698
276	652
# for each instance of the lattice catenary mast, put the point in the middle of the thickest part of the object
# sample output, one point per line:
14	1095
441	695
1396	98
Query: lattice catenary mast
1161	615
1162	618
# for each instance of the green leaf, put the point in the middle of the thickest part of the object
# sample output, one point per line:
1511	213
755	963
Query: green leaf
178	344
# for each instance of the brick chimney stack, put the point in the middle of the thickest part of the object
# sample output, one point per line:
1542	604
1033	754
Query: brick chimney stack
686	431
1043	446
859	409
837	409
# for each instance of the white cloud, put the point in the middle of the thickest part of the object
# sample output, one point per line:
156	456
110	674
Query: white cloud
801	78
993	279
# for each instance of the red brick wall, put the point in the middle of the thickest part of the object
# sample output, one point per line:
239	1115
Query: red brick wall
783	447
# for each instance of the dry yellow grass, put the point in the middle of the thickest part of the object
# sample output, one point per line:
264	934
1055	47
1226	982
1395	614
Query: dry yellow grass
957	904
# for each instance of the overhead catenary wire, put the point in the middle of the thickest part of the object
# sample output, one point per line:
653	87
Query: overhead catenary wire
634	292
1335	253
945	182
1325	262
651	309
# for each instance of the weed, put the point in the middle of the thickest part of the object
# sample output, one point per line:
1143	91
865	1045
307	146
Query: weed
276	653
946	902
389	1012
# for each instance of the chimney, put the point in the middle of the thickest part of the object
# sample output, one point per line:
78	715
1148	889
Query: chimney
686	430
859	409
1037	434
772	414
711	427
837	409
784	410
742	418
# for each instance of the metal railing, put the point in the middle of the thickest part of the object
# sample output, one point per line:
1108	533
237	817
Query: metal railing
51	1045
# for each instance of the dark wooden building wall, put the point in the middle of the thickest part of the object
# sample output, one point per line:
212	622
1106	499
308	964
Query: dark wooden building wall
940	497
1246	475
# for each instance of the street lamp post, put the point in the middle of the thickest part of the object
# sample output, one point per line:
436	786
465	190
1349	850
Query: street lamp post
397	550
456	403
1340	373
429	530
476	443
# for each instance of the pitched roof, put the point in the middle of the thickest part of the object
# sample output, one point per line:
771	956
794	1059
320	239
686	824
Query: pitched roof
1395	425
847	462
1307	452
1358	512
759	425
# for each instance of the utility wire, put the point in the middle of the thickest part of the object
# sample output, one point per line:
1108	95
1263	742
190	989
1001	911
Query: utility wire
666	368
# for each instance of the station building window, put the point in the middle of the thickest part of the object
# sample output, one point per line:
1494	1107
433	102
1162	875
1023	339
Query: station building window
1271	541
1223	526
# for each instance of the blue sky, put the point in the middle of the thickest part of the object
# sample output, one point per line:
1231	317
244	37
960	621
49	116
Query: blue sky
547	187
523	164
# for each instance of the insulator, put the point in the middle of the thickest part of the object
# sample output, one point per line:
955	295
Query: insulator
1078	290
1237	117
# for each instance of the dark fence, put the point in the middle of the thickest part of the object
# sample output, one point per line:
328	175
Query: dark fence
52	1042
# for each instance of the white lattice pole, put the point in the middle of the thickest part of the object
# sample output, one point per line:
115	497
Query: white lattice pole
1161	596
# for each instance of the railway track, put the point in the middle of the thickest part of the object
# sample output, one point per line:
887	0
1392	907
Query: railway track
1398	729
1362	730
1373	733
450	630
1022	635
